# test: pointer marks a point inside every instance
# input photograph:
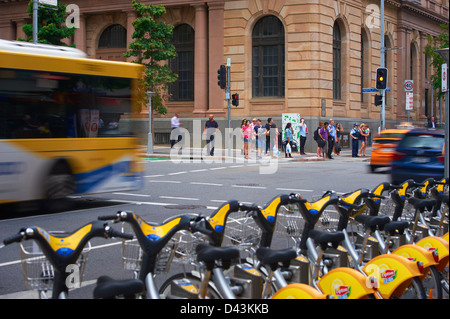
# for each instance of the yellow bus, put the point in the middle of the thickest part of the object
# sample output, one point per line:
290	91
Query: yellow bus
65	124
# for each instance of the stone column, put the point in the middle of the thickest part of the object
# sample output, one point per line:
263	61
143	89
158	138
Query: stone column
201	88
79	38
131	16
216	55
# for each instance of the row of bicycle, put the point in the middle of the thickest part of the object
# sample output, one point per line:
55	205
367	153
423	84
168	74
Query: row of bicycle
384	243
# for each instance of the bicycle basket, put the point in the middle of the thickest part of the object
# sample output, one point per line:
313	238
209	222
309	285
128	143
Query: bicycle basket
290	222
329	219
241	231
179	249
38	273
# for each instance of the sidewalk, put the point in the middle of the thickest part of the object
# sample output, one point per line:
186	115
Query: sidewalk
164	152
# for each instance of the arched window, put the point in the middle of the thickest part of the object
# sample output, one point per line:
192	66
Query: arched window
114	36
183	64
336	62
268	58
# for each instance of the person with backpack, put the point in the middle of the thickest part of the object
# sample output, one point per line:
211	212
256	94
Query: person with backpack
318	140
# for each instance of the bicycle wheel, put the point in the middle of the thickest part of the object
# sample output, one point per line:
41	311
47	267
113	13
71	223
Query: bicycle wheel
432	284
166	288
414	290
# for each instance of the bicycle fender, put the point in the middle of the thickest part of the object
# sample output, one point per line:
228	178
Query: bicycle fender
391	271
298	291
438	244
416	253
346	283
445	237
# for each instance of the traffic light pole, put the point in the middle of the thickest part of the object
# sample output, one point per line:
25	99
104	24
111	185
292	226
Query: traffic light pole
382	64
228	97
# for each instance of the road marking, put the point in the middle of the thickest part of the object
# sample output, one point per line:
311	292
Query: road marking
175	197
217	168
176	173
173	182
198	170
141	203
250	187
294	190
131	194
218	200
206	184
154	176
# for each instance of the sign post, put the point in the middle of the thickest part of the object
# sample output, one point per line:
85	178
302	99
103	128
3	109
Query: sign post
409	86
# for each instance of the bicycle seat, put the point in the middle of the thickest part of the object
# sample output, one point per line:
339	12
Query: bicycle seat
421	204
373	222
322	238
273	257
399	226
209	254
109	288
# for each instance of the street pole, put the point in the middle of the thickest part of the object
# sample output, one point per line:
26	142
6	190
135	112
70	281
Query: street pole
228	97
35	21
444	54
150	136
382	64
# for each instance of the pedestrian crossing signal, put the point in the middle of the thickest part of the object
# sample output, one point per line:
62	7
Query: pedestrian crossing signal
378	99
235	99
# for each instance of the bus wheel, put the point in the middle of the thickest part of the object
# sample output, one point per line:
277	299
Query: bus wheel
59	184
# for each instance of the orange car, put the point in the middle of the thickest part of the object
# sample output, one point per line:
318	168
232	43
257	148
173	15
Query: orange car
383	147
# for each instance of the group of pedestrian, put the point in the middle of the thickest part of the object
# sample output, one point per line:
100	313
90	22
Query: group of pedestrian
327	137
259	138
264	138
359	133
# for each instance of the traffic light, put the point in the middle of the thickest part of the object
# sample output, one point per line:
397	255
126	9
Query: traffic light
382	76
235	99
222	77
378	99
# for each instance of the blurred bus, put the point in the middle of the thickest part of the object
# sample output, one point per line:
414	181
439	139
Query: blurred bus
65	124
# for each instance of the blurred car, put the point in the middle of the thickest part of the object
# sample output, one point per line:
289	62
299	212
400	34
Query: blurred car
383	147
419	156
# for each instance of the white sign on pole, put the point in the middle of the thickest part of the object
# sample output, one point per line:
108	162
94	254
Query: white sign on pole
409	85
444	84
49	2
409	101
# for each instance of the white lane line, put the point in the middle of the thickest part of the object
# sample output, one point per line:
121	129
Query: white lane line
131	194
217	168
236	166
141	203
206	184
249	187
176	173
175	197
217	200
149	176
294	190
198	170
172	182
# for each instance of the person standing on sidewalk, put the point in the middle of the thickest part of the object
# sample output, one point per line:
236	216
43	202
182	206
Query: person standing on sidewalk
323	134
355	134
331	138
210	130
175	124
303	135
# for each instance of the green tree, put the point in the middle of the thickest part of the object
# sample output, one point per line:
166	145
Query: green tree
151	47
51	25
434	43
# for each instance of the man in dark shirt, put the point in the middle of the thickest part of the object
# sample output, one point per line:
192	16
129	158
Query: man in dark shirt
210	129
271	136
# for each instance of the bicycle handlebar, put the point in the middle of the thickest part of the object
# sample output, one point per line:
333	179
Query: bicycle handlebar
111	232
17	238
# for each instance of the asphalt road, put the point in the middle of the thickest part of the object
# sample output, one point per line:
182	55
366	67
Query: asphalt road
176	187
